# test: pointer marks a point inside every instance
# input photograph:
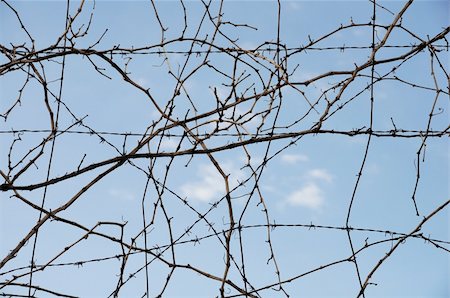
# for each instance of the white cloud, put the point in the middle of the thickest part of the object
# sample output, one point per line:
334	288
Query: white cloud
320	174
210	185
310	196
293	158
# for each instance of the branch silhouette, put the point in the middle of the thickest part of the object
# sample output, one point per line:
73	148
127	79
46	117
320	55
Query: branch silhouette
261	104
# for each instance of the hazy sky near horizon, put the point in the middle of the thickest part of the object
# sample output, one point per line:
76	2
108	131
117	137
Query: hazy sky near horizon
309	182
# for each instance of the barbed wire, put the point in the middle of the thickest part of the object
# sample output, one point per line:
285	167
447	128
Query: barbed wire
358	131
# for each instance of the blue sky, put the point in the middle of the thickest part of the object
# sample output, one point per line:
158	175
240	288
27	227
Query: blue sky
309	182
